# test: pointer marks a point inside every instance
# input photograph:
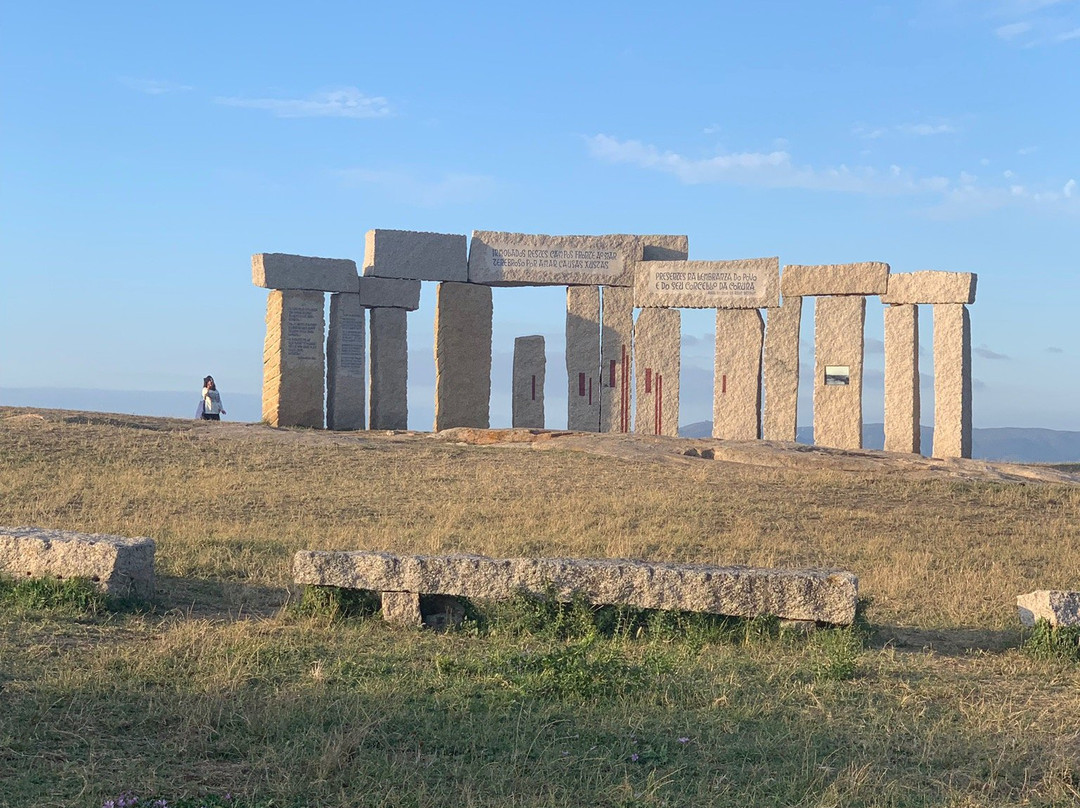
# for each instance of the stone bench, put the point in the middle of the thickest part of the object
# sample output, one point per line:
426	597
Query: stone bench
119	566
826	596
1054	606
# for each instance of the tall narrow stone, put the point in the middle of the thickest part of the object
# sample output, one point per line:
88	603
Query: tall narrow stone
902	379
389	389
781	370
462	355
530	364
346	366
657	364
616	358
838	371
583	358
737	377
952	380
294	366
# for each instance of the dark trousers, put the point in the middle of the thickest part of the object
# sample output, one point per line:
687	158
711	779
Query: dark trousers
208	417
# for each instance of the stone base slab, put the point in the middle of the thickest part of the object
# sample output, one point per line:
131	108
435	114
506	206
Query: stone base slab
117	565
827	596
1054	606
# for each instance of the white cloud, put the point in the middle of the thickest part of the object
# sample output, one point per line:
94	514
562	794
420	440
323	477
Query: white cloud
346	102
1027	150
1070	189
154	86
1012	30
407	187
915	129
1067	35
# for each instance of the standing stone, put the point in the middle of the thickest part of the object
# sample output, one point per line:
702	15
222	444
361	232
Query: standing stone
346	377
583	358
838	371
616	358
656	359
294	367
781	370
902	432
952	380
389	390
737	377
462	355
530	365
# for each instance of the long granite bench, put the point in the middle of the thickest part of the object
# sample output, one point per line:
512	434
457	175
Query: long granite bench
826	596
117	565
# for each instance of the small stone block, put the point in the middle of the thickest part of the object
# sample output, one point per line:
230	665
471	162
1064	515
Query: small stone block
868	278
389	293
402	608
117	565
927	286
299	272
415	256
1056	607
752	283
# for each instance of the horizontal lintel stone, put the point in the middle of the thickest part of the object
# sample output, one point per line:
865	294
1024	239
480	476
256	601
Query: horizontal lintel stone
797	594
411	255
389	293
751	283
867	278
930	287
523	259
300	272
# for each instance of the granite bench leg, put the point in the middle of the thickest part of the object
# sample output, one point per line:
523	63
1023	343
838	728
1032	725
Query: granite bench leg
402	608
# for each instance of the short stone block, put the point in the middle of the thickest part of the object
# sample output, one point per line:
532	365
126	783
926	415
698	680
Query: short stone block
583	358
117	565
827	596
1056	607
751	283
463	314
530	366
868	278
300	272
520	259
781	370
928	286
402	608
657	360
737	375
389	293
416	256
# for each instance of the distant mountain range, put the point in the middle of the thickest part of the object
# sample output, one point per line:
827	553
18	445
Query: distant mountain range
1015	444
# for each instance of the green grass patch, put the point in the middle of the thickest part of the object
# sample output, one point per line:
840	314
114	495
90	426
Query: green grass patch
74	596
1046	642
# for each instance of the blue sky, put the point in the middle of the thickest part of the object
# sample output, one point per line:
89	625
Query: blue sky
147	150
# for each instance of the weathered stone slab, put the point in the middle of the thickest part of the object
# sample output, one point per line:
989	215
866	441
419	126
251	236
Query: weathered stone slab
838	371
117	565
902	395
616	358
462	356
415	256
530	367
519	259
299	272
379	293
781	371
346	363
952	381
583	358
928	286
657	343
868	278
828	596
750	283
1056	607
389	389
737	375
294	361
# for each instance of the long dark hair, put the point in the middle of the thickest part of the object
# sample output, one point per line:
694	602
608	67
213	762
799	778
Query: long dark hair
209	380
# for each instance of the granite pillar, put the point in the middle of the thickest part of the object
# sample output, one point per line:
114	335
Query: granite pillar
346	366
616	358
781	371
838	371
294	367
902	414
583	358
657	336
530	364
462	355
389	397
737	374
952	380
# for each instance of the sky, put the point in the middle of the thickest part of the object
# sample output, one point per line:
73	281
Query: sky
148	150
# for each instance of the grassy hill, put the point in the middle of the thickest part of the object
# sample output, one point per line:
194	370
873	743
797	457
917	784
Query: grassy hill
226	686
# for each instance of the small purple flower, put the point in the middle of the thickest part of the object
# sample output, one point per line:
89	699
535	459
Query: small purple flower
160	804
684	740
634	758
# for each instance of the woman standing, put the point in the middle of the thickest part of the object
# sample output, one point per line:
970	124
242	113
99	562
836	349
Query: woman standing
212	409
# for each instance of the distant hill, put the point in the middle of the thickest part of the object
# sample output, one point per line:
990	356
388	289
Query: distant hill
1016	444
